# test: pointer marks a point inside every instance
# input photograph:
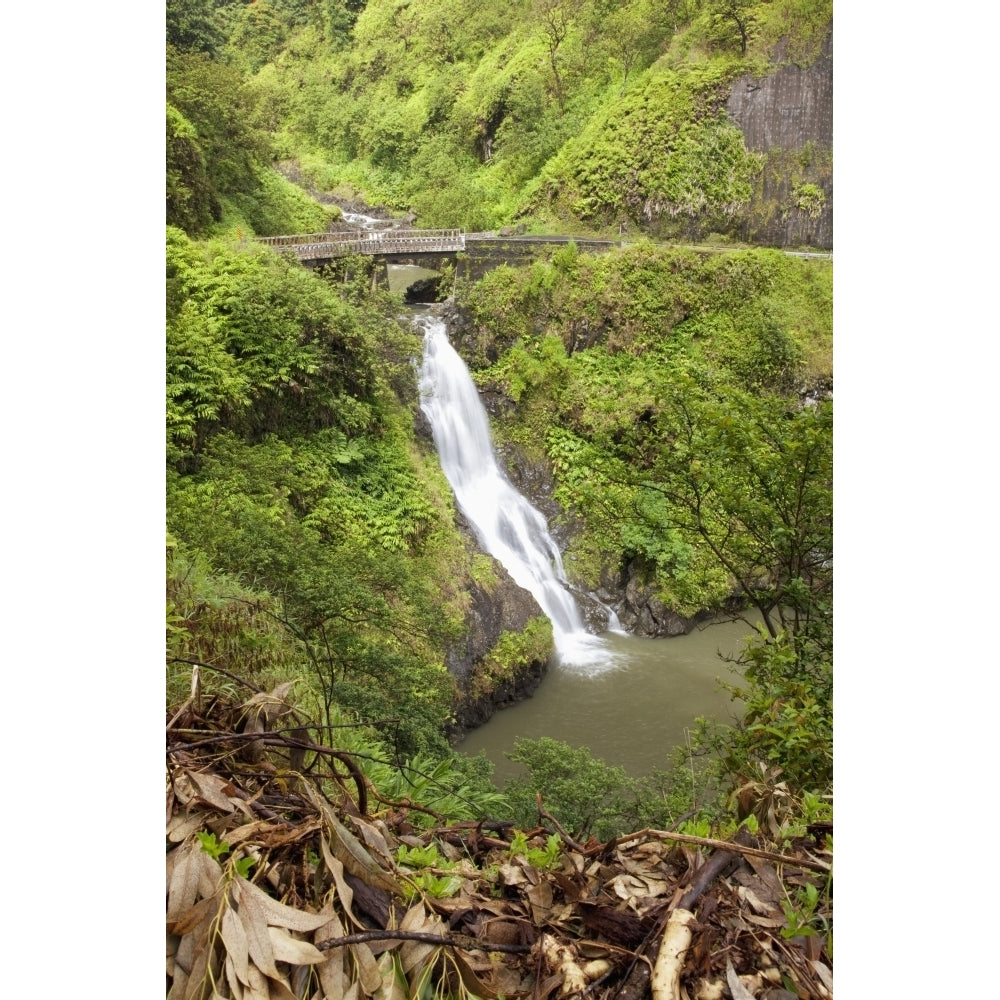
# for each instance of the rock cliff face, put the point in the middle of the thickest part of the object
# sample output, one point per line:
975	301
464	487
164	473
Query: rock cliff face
788	116
503	607
624	590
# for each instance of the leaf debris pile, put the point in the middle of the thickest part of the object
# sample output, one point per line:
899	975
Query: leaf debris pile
303	884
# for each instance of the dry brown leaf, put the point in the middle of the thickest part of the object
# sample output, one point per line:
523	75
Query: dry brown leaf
267	708
512	875
203	955
344	892
368	973
763	907
736	988
211	789
508	983
209	873
766	873
280	835
640	868
540	898
501	931
548	987
331	972
173	942
374	837
183	787
234	937
824	973
280	989
301	977
258	988
253	916
293	950
183	961
472	982
183	889
350	851
235	986
414	954
258	827
277	913
202	909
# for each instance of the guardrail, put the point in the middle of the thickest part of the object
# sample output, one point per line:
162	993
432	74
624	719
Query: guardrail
313	246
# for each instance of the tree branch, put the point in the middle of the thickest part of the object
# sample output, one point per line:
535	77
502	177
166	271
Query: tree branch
724	845
451	940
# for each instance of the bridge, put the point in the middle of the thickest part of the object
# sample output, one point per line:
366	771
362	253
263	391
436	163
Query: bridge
432	249
383	242
312	248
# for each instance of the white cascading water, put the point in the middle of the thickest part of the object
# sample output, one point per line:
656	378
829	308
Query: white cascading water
508	527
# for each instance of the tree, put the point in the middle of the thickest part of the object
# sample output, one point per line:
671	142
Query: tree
732	19
556	18
258	34
192	202
751	479
192	26
214	146
631	31
745	481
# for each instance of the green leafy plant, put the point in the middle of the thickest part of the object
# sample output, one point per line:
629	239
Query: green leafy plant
803	914
219	849
439	883
537	857
809	198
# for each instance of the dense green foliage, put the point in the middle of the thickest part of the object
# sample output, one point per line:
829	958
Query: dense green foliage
663	152
292	468
578	113
662	385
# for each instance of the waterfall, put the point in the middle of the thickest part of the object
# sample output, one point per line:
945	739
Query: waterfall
508	527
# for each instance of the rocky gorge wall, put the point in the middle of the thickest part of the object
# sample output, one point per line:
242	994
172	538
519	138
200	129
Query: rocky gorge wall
788	116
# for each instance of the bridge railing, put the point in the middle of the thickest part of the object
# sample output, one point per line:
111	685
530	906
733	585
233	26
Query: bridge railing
319	245
300	239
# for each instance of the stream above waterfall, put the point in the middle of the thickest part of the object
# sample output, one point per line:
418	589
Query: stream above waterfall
629	699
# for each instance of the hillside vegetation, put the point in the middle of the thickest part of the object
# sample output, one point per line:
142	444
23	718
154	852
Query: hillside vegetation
580	114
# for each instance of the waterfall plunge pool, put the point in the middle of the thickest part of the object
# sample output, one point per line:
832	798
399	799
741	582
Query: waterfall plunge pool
633	713
630	700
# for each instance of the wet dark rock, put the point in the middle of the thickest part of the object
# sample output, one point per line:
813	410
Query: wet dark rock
422	290
593	611
642	611
503	607
532	477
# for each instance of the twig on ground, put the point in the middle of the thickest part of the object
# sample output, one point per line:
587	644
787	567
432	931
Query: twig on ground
451	940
